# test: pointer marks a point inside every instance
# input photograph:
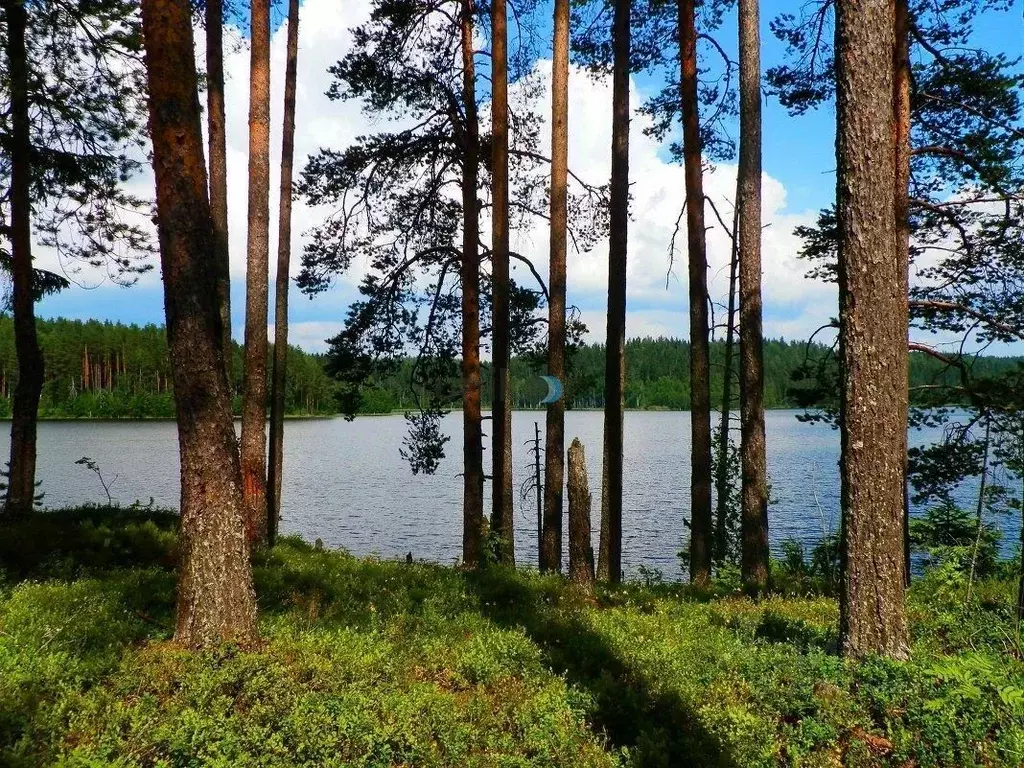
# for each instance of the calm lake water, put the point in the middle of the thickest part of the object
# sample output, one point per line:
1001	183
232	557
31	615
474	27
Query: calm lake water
346	484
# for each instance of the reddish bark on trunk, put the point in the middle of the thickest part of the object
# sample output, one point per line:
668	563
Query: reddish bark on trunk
700	364
284	258
254	377
215	601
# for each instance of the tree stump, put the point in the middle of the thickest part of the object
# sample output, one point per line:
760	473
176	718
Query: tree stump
581	550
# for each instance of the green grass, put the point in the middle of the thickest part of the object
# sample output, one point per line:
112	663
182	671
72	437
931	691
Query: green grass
378	663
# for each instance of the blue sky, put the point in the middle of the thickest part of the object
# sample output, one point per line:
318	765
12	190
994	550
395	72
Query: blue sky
798	156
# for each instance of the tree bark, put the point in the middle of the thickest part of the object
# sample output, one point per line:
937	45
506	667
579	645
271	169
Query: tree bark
215	601
501	410
581	548
472	439
700	373
554	468
873	336
602	546
615	347
254	376
21	481
217	134
754	561
1020	583
284	258
901	127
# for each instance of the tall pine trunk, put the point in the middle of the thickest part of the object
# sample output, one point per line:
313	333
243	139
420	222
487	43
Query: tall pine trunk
501	411
472	440
554	465
872	334
700	368
901	127
754	519
21	486
615	346
215	601
216	130
284	258
254	377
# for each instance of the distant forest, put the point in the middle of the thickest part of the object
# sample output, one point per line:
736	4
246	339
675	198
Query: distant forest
657	376
100	369
109	370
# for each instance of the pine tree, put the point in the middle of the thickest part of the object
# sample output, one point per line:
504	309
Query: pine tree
753	462
279	372
254	378
216	123
216	601
700	364
472	436
872	332
554	444
502	522
615	368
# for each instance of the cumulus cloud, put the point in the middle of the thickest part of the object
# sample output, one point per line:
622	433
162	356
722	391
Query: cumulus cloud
656	297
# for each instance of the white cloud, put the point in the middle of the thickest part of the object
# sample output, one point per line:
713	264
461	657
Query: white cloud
311	336
656	185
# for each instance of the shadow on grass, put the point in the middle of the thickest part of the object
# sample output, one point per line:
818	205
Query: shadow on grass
657	728
89	540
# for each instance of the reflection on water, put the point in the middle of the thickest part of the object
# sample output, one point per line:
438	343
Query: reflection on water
346	484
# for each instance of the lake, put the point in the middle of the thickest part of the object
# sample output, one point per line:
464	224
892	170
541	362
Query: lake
345	483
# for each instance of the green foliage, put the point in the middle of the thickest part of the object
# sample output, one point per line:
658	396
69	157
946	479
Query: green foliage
380	663
799	572
949	534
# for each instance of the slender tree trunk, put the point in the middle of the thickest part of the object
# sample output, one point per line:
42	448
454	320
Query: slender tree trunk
254	376
21	482
539	488
615	346
700	373
979	522
215	120
554	475
722	474
901	125
472	439
873	336
581	549
1020	583
216	601
754	562
284	258
501	411
605	532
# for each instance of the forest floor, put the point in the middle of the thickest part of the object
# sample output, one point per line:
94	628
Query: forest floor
366	662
